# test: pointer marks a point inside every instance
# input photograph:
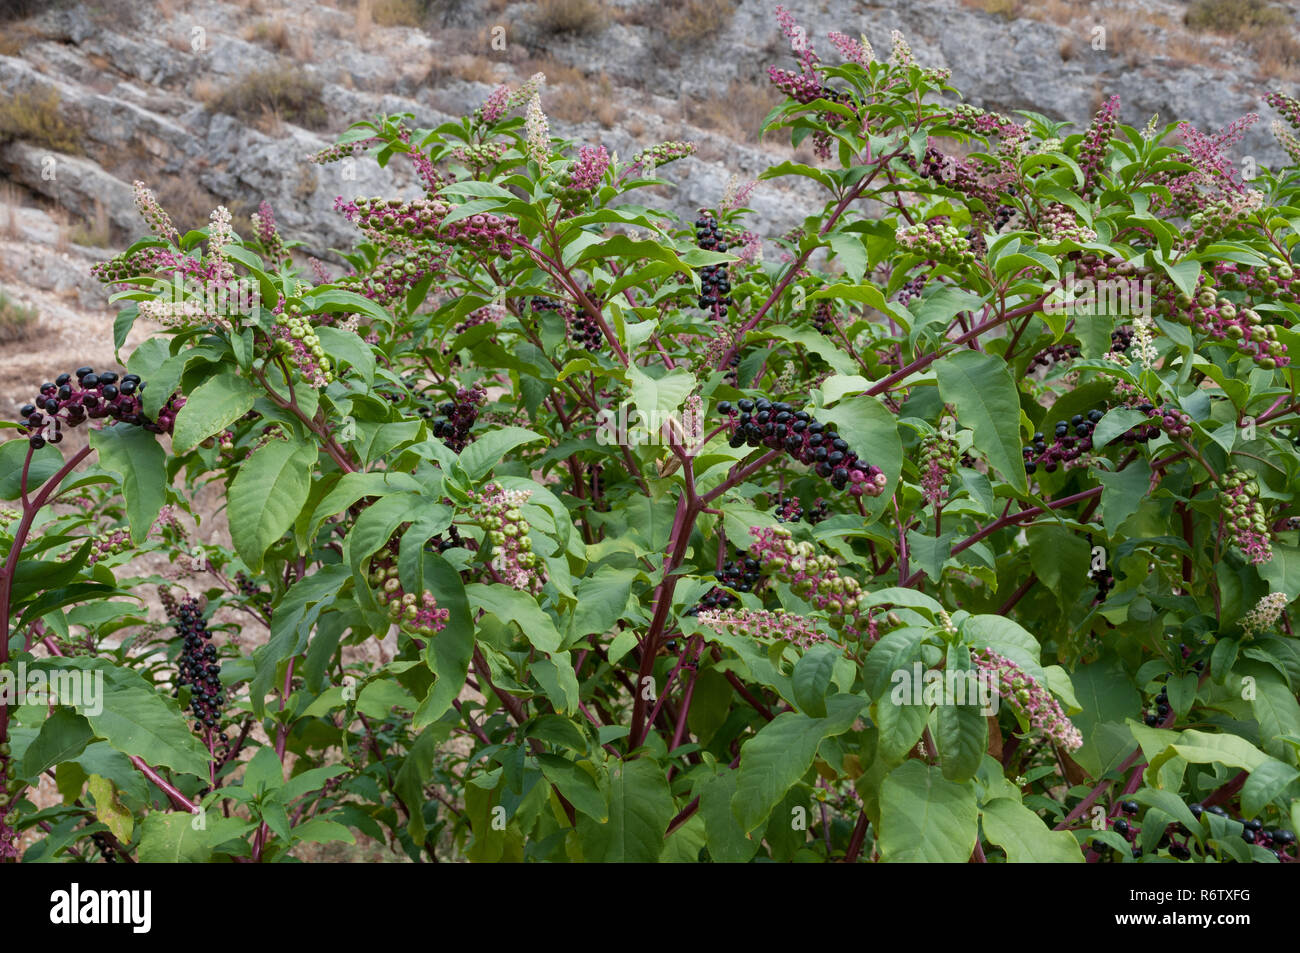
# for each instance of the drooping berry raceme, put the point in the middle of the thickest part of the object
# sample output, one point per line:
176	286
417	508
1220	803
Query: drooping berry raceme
715	282
198	668
341	151
584	175
154	215
264	225
582	328
823	318
302	347
1029	699
788	509
761	624
1244	518
488	233
416	615
779	426
496	511
939	458
390	281
1096	142
647	160
403	218
1263	617
72	399
480	156
109	544
1290	110
1221	320
457	417
741	574
9	791
1059	222
938	241
813	577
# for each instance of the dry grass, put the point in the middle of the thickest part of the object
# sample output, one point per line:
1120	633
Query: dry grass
409	13
34	117
97	232
17	321
474	69
273	34
570	17
11	203
1231	17
188	203
274	95
582	101
738	113
16	37
1068	47
365	22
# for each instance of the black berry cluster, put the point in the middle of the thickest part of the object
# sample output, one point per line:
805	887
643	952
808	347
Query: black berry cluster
1159	711
582	327
105	849
715	284
1072	439
823	318
445	541
763	423
198	667
91	397
743	574
789	509
457	417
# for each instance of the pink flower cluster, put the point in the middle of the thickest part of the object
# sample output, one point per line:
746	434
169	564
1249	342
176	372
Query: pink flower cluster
855	51
798	39
264	225
494	234
801	87
761	624
1028	698
812	576
590	168
1213	170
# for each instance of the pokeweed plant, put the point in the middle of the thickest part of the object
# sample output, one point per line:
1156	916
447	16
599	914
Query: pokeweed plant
954	524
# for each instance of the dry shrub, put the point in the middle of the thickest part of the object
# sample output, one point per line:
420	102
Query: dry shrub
364	22
1235	16
1068	47
16	37
273	34
738	113
570	17
11	202
189	204
474	69
399	12
17	321
34	117
580	102
96	232
684	23
1006	9
1277	52
283	93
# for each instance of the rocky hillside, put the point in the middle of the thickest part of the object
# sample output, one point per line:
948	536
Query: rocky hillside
214	102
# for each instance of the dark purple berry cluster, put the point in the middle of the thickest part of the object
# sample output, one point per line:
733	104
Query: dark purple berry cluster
789	509
764	423
1072	440
582	327
198	667
743	574
823	318
457	417
715	283
92	397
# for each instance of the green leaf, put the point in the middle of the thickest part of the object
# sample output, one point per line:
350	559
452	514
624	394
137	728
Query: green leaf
210	408
267	495
640	808
812	678
138	460
980	389
726	839
773	760
62	737
926	818
139	721
511	605
490	449
602	600
1025	838
962	736
448	653
45	463
1269	780
109	811
577	786
173	839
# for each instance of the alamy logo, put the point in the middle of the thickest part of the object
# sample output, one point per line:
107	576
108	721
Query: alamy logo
919	686
75	906
79	689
